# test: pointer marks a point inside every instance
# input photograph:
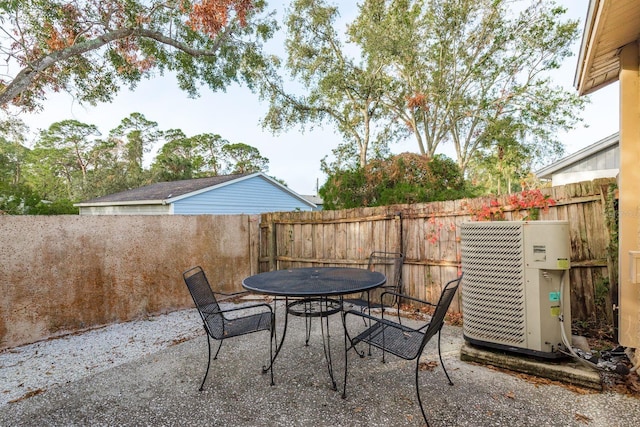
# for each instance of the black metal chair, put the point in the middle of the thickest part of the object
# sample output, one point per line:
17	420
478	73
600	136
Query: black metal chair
389	264
401	340
220	327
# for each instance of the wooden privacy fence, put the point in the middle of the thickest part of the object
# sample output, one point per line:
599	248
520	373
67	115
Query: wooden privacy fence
429	236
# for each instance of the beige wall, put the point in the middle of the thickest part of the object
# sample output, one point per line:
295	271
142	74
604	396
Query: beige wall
629	201
127	210
64	273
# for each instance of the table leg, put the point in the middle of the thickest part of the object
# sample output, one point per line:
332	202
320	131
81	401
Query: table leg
307	324
326	343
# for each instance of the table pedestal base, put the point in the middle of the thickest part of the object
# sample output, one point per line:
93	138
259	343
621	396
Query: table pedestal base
309	308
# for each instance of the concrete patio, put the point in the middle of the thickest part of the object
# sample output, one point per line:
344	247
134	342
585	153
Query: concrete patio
162	389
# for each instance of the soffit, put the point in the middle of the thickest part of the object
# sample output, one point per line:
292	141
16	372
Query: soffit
610	25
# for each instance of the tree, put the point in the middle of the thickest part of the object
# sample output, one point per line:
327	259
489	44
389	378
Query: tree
61	159
12	150
133	138
70	160
340	90
404	178
202	155
175	159
91	48
15	196
185	158
73	140
209	153
462	68
503	166
109	174
243	158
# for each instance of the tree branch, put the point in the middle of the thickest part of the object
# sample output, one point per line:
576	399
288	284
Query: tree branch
27	76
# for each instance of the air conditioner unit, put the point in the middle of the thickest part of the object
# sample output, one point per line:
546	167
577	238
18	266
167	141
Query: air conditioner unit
516	286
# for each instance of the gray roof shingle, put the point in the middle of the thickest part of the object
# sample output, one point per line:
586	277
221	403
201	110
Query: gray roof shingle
165	190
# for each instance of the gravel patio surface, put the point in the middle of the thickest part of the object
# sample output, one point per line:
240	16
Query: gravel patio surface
147	372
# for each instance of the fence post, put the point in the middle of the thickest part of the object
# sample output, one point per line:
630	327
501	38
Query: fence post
273	245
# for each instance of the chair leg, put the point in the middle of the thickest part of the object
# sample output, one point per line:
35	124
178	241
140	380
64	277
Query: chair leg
352	345
368	308
441	362
208	361
217	351
418	391
272	340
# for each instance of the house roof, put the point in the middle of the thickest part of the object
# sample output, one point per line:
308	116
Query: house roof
169	192
547	171
315	199
610	25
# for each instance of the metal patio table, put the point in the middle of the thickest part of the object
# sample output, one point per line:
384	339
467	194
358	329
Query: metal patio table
316	292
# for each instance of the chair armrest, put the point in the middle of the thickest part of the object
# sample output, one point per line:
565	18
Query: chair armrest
230	295
405	296
244	307
380	320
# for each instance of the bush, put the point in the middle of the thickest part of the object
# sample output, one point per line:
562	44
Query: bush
400	179
21	200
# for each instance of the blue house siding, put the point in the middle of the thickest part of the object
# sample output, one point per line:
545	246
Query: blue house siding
250	196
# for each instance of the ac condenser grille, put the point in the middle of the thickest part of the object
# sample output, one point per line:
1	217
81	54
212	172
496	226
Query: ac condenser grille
493	297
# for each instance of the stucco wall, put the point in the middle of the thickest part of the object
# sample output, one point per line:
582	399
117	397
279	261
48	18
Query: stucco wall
65	273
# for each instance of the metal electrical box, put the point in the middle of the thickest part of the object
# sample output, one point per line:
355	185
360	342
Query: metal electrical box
516	285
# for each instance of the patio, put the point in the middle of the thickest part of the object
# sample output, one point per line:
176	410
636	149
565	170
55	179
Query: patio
161	387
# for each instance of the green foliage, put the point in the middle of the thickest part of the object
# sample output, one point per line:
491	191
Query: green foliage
21	200
175	160
404	178
16	199
93	48
12	150
135	135
205	155
243	158
340	89
183	157
70	162
473	75
59	207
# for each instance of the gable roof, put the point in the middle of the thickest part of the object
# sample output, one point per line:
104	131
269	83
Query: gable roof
313	198
548	171
172	191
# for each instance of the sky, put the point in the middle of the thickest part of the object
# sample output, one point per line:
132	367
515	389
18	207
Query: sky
294	156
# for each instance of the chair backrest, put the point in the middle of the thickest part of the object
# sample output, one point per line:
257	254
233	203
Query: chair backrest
389	264
437	320
205	301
